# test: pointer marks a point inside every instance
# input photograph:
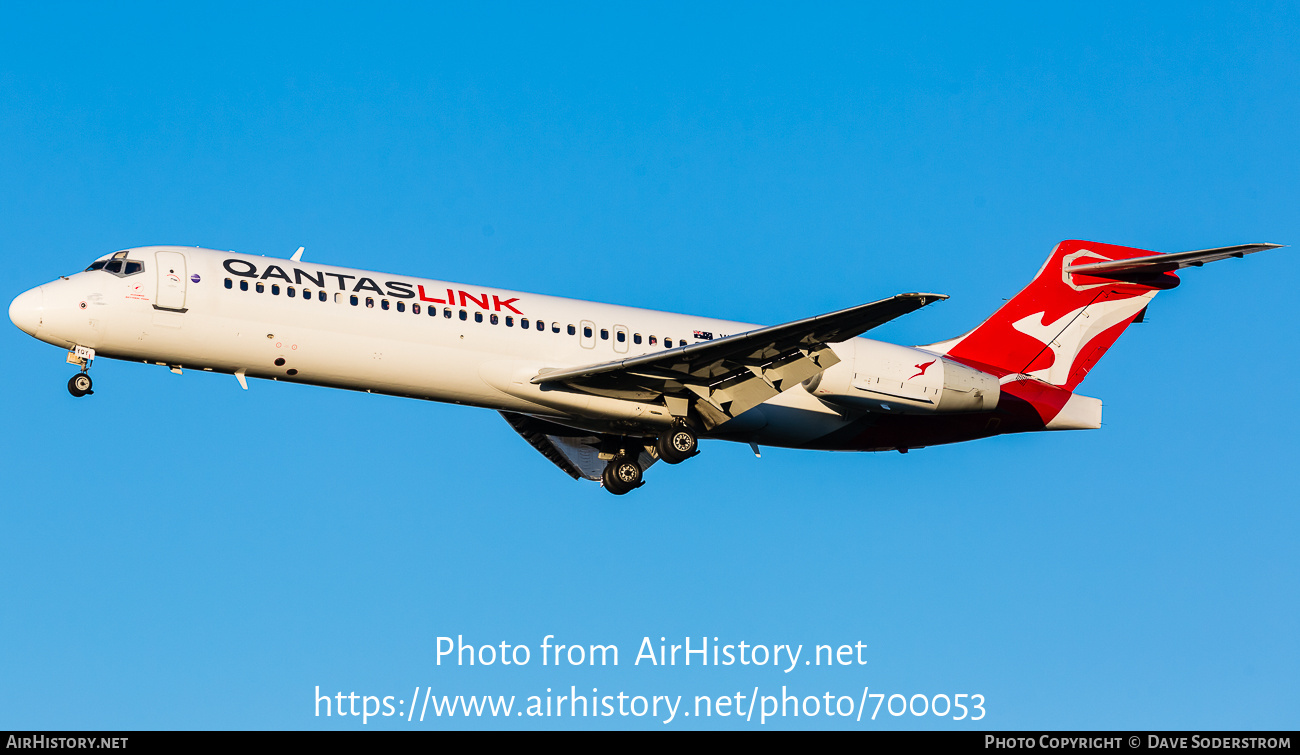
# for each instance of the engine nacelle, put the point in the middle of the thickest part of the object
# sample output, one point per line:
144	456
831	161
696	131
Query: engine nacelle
883	377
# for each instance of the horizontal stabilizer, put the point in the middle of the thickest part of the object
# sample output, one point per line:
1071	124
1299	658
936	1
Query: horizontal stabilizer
1165	263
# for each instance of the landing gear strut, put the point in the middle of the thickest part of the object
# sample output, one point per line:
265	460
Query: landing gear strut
622	475
79	385
677	445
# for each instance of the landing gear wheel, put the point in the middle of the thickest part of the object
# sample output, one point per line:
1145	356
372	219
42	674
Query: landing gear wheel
622	475
677	445
79	385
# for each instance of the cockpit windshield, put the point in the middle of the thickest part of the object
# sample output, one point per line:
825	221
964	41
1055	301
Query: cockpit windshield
118	265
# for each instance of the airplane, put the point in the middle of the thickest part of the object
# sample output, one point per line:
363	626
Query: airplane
605	391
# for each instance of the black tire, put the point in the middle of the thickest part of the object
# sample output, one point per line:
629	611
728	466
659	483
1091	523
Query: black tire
622	475
677	445
79	384
610	482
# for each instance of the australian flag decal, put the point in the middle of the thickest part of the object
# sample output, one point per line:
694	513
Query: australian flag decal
704	335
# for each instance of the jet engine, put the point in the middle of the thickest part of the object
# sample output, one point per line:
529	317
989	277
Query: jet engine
883	377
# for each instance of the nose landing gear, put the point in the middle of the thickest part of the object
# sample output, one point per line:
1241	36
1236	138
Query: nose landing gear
80	385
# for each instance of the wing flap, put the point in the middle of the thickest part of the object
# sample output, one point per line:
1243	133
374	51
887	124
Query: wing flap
747	388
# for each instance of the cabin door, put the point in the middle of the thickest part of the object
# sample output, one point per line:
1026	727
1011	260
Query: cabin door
171	281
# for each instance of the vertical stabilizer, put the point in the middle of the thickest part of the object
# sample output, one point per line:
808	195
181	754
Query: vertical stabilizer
1062	323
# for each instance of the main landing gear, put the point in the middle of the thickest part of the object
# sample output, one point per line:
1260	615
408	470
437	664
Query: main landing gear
677	445
624	473
79	384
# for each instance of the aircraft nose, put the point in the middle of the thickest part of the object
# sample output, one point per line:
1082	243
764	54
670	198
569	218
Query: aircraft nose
27	309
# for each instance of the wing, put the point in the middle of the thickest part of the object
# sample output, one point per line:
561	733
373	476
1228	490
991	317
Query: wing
575	452
1165	263
729	376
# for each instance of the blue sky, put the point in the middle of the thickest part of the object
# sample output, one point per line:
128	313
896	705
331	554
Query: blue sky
182	554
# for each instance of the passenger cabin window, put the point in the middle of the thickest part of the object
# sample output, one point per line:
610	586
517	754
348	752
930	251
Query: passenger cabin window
653	340
574	331
230	283
275	289
668	343
261	287
494	319
464	315
636	338
542	326
401	306
478	317
290	292
523	322
604	334
243	285
322	296
586	332
415	309
510	321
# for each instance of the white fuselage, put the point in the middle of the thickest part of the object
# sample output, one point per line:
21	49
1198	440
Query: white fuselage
271	318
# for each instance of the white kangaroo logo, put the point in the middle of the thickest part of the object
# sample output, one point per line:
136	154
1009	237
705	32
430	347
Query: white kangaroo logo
1067	335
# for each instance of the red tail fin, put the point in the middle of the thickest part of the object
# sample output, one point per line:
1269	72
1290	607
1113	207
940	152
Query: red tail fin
1061	323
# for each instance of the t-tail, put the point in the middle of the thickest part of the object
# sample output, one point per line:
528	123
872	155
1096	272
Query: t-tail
1043	342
